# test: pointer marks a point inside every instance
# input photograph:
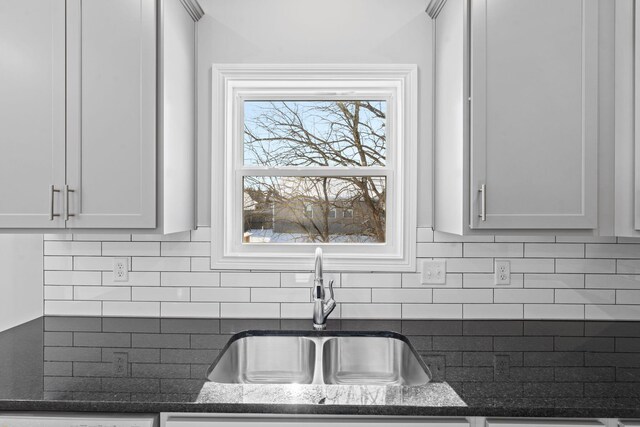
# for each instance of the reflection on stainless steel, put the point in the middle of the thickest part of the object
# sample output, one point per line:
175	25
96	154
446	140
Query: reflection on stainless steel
320	358
266	360
371	360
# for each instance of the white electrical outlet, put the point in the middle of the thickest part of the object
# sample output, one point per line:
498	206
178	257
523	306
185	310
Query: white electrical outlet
503	272
434	272
120	269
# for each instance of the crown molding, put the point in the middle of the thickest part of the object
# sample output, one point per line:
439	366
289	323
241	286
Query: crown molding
194	9
434	7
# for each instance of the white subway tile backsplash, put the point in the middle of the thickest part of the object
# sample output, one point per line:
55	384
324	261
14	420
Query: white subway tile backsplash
201	249
439	250
554	281
585	239
72	308
58	263
131	309
493	250
425	235
553	250
72	248
57	237
612	312
523	296
250	280
371	311
612	281
221	294
201	234
174	237
351	295
190	309
305	280
613	251
72	278
371	280
584	296
58	293
628	266
525	239
297	310
139	293
552	277
585	266
463	295
91	263
447	237
414	280
102	237
136	278
254	310
200	263
402	295
532	265
473	280
554	311
171	278
130	249
280	295
624	296
161	264
102	293
470	265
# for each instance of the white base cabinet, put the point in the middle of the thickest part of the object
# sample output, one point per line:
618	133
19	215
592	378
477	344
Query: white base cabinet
294	420
256	420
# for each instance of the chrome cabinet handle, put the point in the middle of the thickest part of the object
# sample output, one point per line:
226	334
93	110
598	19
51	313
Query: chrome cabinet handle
52	201
66	202
483	202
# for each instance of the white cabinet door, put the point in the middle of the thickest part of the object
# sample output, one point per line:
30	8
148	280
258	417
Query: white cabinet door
541	423
111	123
32	112
534	114
267	420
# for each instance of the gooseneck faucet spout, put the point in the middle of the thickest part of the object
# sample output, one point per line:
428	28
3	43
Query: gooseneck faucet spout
321	308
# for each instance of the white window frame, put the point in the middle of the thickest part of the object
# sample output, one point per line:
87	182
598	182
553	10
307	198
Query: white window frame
234	83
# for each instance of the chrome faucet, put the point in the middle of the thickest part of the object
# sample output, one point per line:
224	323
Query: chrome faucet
321	308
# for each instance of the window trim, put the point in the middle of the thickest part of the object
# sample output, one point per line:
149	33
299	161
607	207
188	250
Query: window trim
233	83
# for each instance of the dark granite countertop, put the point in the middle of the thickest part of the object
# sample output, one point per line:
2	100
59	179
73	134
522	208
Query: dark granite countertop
496	368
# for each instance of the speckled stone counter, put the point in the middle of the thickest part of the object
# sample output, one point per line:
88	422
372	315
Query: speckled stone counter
481	368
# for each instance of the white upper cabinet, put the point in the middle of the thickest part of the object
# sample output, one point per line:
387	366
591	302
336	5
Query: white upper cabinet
111	104
32	112
87	142
627	119
516	116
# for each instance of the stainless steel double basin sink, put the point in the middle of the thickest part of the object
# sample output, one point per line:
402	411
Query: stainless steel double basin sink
298	357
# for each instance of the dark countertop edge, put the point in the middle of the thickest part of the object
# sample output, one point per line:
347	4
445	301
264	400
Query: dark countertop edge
293	409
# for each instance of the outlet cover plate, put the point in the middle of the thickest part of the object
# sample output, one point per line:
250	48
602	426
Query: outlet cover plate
503	272
121	269
434	272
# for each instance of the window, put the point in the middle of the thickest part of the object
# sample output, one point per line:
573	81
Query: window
295	145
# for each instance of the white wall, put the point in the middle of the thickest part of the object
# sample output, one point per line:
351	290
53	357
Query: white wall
21	266
315	31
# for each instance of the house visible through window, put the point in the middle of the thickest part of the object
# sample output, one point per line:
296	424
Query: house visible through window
306	156
323	136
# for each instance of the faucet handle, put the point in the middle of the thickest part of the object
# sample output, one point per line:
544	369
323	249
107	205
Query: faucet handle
330	289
